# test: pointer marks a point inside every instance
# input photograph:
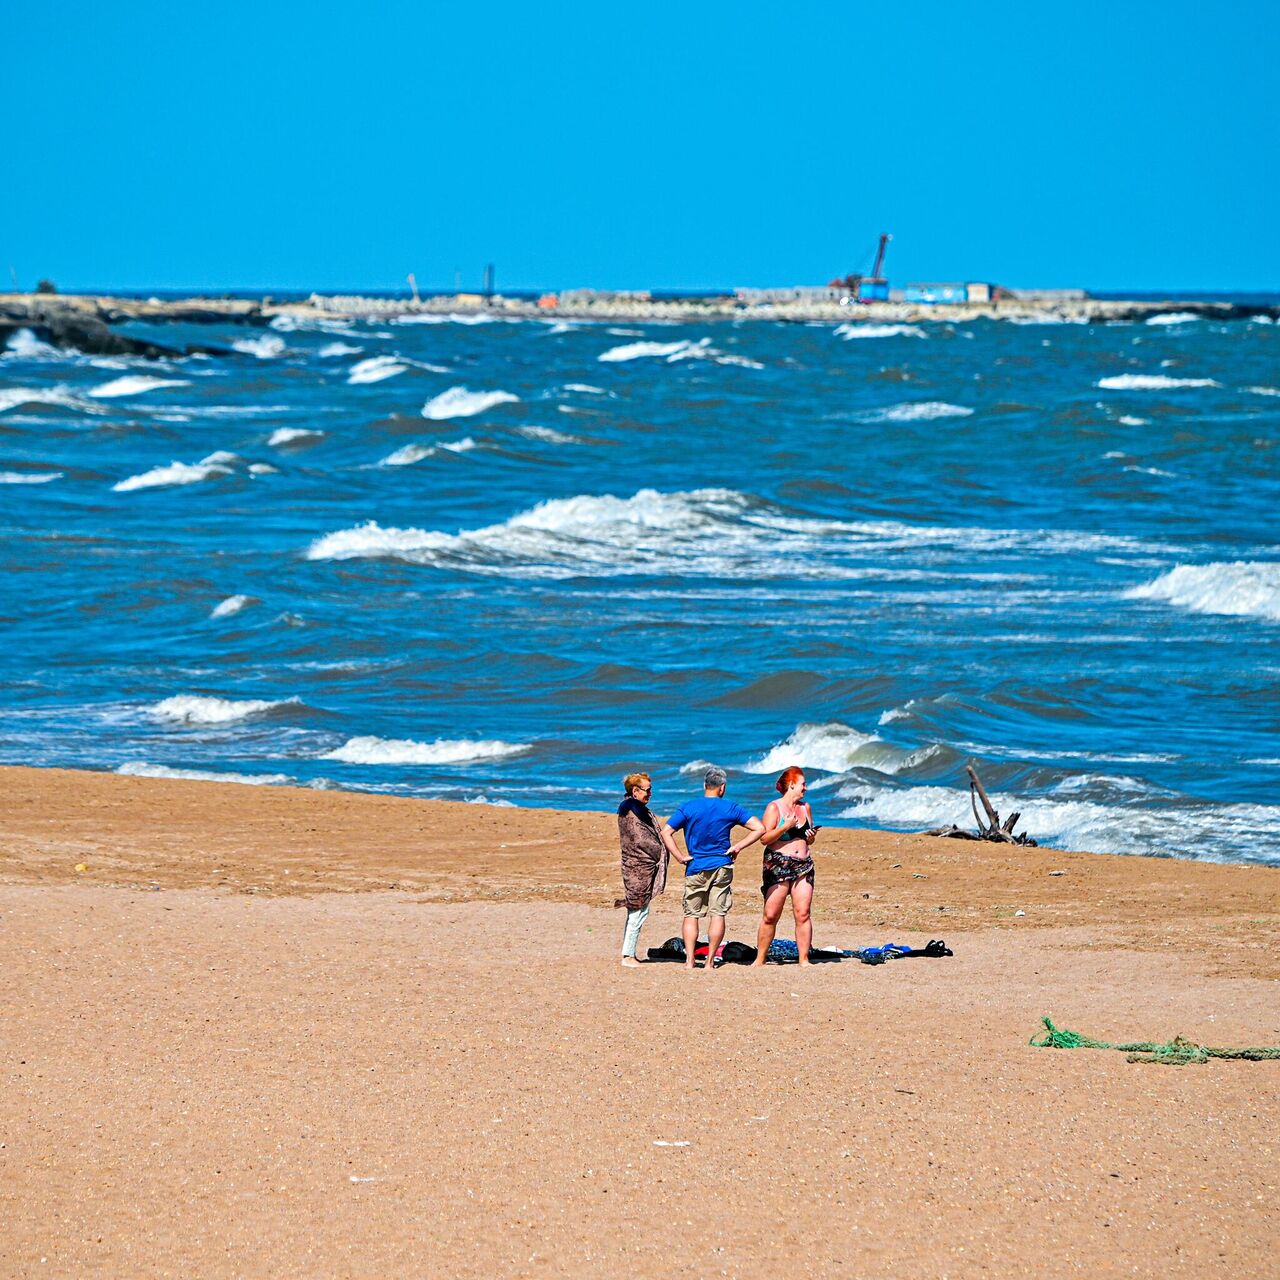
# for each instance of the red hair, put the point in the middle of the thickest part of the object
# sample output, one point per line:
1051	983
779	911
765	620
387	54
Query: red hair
787	777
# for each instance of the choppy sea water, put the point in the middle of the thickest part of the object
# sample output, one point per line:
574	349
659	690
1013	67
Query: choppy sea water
511	561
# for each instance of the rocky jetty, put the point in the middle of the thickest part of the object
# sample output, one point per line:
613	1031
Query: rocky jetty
86	323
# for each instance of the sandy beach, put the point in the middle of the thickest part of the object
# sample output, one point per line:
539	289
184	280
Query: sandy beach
295	1033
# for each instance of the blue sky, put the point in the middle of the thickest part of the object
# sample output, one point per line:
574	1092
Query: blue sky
294	145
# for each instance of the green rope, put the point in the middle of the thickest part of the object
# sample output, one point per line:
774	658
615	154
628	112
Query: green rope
1173	1053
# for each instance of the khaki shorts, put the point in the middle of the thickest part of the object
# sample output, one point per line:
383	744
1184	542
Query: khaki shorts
708	892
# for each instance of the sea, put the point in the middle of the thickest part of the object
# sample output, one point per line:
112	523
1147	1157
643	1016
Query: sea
509	562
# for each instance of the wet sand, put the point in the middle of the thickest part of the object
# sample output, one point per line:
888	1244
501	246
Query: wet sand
270	1032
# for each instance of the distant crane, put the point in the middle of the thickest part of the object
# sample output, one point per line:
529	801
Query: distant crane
868	288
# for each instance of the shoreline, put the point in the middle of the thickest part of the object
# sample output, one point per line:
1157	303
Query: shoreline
84	321
266	1031
129	832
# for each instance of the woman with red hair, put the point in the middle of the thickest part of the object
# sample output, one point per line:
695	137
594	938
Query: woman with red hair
788	864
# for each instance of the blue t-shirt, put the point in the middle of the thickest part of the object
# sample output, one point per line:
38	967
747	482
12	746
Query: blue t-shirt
706	823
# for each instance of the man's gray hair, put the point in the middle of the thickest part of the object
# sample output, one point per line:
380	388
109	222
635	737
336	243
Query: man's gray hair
714	777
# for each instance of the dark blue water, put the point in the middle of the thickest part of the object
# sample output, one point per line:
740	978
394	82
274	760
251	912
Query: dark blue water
1050	549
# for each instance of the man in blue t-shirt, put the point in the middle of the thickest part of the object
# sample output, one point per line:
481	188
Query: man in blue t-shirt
708	875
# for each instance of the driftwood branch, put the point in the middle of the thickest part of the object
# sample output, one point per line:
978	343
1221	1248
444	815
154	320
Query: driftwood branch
992	829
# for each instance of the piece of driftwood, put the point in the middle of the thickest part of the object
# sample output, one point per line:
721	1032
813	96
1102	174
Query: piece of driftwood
992	828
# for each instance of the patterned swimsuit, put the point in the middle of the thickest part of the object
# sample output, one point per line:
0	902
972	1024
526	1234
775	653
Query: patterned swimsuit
783	868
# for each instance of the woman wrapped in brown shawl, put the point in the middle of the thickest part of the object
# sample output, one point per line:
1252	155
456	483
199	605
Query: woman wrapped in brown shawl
644	860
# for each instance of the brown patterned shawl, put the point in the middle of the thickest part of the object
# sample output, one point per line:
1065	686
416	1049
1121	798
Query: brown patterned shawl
644	856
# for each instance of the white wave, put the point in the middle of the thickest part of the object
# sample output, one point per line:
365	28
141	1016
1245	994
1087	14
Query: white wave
266	347
292	435
847	331
230	606
484	799
133	385
1174	317
1128	420
549	434
332	350
1264	391
710	532
652	350
1262	319
263	469
1239	588
287	323
407	455
176	473
370	750
696	766
221	458
142	769
375	369
1152	471
13	397
29	477
916	411
187	708
458	402
1075	824
465	445
1151	382
585	388
451	317
894	713
834	748
24	345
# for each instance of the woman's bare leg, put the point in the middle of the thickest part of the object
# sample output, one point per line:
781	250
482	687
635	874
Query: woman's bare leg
774	901
801	900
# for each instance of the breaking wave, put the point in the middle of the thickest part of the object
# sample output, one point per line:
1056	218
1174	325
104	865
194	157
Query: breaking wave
266	347
29	477
230	606
195	709
178	473
833	748
1240	588
715	532
24	345
674	352
1263	391
916	411
332	350
292	435
1151	382
847	331
375	369
1174	317
370	750
458	402
133	384
1182	831
59	396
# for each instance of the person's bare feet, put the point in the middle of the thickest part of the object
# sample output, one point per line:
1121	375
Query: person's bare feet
630	962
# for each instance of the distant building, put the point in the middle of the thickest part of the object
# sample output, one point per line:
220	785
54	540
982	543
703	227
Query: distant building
791	293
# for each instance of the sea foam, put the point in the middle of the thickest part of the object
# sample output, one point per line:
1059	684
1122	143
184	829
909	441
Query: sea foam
29	477
195	709
142	769
916	411
1240	588
134	384
371	750
56	396
1151	382
458	402
1174	317
847	331
24	345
